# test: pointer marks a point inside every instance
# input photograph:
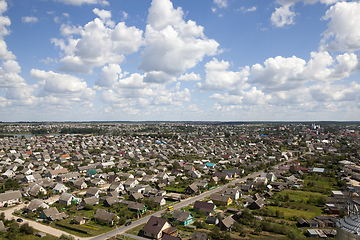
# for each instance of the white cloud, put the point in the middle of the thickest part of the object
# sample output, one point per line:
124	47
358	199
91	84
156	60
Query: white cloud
59	83
221	3
283	16
105	16
343	33
251	9
135	81
330	92
29	19
81	2
190	77
159	77
218	77
172	45
9	75
108	75
288	73
67	30
48	60
98	45
125	15
4	23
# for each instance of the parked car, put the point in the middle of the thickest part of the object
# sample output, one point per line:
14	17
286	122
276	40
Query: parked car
128	223
19	220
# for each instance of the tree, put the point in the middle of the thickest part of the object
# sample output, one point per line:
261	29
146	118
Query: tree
25	228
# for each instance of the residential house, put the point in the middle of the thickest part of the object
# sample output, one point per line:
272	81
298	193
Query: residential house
35	204
156	227
80	184
258	204
60	188
207	208
55	173
81	220
221	199
130	183
67	199
52	214
91	200
116	186
93	191
226	223
110	201
234	193
184	218
138	207
192	188
102	215
136	196
158	199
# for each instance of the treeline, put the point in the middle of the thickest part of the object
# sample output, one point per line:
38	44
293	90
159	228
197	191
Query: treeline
40	131
82	131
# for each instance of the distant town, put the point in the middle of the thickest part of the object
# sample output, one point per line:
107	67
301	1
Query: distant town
179	180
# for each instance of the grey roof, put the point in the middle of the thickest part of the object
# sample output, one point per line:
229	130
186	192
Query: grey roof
180	215
36	203
9	195
51	212
65	197
103	215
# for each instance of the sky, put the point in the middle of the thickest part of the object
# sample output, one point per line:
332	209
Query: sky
180	60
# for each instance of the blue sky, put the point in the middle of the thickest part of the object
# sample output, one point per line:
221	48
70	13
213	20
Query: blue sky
222	60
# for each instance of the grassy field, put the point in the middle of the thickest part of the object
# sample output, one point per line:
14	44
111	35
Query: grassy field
290	213
174	189
301	196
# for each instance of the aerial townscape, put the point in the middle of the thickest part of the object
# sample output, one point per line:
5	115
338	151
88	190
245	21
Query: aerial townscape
179	180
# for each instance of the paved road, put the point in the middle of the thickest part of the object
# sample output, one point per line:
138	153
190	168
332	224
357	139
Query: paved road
123	229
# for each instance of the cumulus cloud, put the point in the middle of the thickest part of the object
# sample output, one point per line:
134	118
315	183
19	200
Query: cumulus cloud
218	77
108	75
190	77
172	45
343	33
9	74
331	92
282	73
5	54
285	15
100	43
81	2
59	83
29	19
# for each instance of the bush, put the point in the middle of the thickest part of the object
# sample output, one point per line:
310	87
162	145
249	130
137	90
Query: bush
88	207
25	228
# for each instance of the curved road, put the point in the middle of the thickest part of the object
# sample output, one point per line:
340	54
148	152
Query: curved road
123	229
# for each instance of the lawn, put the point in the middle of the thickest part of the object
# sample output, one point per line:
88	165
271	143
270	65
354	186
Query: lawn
290	213
174	189
301	196
135	231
